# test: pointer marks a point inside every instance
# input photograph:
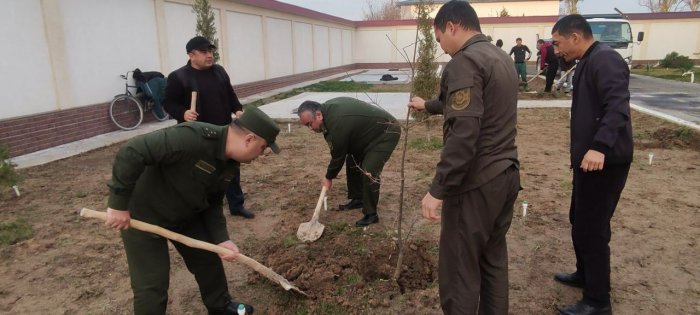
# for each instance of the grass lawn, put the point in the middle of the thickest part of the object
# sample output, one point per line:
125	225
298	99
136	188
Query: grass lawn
669	74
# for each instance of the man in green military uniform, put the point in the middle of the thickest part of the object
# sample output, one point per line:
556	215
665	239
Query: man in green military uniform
477	178
176	178
360	135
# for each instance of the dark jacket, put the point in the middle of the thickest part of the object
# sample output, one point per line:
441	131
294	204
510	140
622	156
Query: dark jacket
216	100
351	126
600	110
170	176
478	99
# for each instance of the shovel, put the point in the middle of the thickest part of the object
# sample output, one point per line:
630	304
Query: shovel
250	262
312	230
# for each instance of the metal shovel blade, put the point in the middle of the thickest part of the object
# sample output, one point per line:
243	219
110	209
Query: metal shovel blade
312	230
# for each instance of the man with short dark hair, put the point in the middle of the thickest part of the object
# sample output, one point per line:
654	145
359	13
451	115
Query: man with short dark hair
361	136
519	51
548	60
175	178
601	153
477	179
216	102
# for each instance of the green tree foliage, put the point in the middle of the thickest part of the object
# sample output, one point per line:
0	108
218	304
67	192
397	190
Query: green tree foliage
677	61
205	23
426	80
8	176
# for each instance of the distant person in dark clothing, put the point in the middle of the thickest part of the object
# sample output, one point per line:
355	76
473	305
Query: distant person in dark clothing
519	51
549	60
601	153
499	43
216	102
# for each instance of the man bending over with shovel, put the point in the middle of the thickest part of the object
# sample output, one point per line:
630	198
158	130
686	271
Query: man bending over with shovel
360	135
176	178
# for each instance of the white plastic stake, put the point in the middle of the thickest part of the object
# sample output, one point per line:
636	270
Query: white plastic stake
651	157
325	203
289	128
524	208
16	190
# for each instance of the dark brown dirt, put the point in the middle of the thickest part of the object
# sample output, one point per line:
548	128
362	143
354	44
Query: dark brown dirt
76	266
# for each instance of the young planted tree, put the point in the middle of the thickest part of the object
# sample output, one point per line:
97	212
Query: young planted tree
425	82
205	23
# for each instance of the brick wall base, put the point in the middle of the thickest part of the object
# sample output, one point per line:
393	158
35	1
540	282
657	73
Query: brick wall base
36	132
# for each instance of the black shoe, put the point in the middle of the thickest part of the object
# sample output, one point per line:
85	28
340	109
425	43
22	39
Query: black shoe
243	212
232	309
367	220
352	204
570	279
583	308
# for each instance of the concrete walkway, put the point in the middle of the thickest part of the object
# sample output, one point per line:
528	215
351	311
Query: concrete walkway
394	103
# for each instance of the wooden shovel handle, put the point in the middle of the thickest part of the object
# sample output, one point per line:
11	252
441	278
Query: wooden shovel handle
319	204
193	101
146	227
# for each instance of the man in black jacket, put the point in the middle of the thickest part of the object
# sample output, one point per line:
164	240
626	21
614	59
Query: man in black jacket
601	154
215	103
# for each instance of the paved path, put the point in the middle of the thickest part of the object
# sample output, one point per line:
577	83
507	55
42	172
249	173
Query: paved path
676	101
673	100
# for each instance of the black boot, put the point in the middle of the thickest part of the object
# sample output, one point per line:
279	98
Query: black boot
367	220
352	204
243	212
570	279
583	308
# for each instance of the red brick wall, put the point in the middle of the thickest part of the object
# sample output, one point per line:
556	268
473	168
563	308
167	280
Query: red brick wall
41	131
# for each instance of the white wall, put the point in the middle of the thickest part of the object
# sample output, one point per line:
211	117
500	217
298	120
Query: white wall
279	48
347	47
245	42
373	46
102	46
321	53
303	47
336	47
27	77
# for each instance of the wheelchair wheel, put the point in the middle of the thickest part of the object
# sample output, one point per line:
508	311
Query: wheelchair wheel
126	112
158	112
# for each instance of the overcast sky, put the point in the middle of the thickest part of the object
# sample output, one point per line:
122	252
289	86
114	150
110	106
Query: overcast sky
352	9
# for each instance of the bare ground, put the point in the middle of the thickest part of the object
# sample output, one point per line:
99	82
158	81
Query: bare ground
76	266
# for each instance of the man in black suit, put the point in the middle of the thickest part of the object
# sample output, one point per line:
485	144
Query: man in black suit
601	154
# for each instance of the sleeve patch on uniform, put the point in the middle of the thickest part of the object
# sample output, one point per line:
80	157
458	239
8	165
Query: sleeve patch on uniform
460	99
204	166
209	133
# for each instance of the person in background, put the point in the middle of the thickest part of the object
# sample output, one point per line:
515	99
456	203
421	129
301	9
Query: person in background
215	104
549	61
518	52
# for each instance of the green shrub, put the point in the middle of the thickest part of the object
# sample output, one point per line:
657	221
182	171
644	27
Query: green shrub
15	231
677	61
8	175
424	144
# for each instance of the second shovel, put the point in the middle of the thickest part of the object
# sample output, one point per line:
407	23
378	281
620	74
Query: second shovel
312	230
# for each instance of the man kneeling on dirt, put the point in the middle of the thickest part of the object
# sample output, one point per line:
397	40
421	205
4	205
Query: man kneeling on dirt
363	137
176	178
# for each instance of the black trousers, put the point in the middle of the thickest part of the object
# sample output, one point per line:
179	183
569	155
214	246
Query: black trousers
234	193
551	72
149	269
593	202
473	263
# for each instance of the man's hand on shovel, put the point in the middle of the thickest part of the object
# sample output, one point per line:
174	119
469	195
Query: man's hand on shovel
327	183
118	219
230	245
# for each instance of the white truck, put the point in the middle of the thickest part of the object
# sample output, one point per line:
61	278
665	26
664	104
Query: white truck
614	30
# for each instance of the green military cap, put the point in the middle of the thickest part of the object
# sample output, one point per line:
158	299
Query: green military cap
260	124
